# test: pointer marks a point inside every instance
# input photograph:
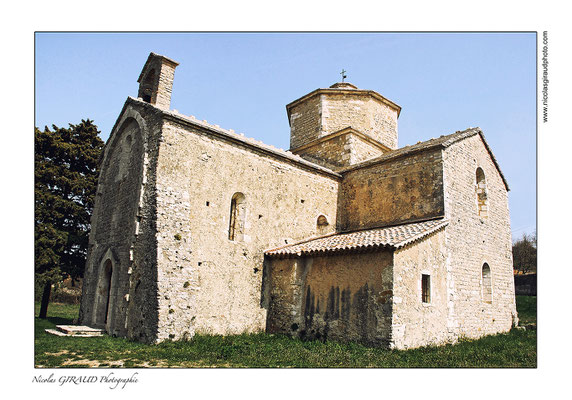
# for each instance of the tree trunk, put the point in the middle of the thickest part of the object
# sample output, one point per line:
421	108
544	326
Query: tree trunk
45	300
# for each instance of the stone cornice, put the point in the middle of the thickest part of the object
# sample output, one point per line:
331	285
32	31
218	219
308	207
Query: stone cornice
341	132
337	91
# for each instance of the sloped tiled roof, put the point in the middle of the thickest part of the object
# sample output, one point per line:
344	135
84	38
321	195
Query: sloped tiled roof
392	237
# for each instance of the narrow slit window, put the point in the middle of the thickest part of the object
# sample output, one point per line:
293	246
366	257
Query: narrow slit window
148	87
425	288
237	217
482	201
487	287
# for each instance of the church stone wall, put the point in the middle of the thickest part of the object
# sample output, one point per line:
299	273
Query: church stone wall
340	151
305	122
123	231
207	282
363	113
362	150
416	323
333	153
142	323
397	190
282	295
474	240
340	297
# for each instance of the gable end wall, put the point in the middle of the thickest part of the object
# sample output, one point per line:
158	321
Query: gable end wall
473	241
123	229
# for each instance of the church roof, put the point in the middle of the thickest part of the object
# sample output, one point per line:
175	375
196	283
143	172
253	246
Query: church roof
391	237
230	135
440	142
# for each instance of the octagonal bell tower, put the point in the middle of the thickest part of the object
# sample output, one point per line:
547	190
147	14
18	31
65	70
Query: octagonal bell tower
342	125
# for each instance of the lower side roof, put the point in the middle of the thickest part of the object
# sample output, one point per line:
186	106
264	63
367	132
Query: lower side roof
391	238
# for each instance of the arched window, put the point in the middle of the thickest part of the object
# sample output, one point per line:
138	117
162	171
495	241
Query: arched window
482	201
124	157
322	224
147	86
486	284
237	217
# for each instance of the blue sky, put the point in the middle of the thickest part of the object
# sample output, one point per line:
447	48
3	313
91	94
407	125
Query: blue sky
444	82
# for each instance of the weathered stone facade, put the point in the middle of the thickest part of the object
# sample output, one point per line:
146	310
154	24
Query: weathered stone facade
225	276
120	283
417	323
475	240
197	229
342	297
392	190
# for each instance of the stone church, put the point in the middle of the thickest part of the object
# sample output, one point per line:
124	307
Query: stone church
346	236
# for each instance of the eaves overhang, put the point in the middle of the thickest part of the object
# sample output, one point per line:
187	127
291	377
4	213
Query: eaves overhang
339	91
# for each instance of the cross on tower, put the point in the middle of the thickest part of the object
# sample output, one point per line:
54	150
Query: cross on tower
343	74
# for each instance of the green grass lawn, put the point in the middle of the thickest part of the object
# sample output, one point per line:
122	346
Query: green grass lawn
514	349
526	307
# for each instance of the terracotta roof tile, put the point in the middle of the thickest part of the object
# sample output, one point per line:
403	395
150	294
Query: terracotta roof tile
392	237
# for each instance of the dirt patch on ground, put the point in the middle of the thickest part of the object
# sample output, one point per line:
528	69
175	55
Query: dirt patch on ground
113	364
59	353
83	362
92	363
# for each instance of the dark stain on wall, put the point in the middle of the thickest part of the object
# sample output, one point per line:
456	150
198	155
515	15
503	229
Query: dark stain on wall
346	313
309	308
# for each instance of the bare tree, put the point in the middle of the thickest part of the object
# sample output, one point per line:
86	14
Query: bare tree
524	254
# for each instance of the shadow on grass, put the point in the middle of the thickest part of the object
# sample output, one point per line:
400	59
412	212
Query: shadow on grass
515	349
59	321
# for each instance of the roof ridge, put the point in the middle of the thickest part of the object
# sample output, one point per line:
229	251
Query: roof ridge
442	141
240	137
394	224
